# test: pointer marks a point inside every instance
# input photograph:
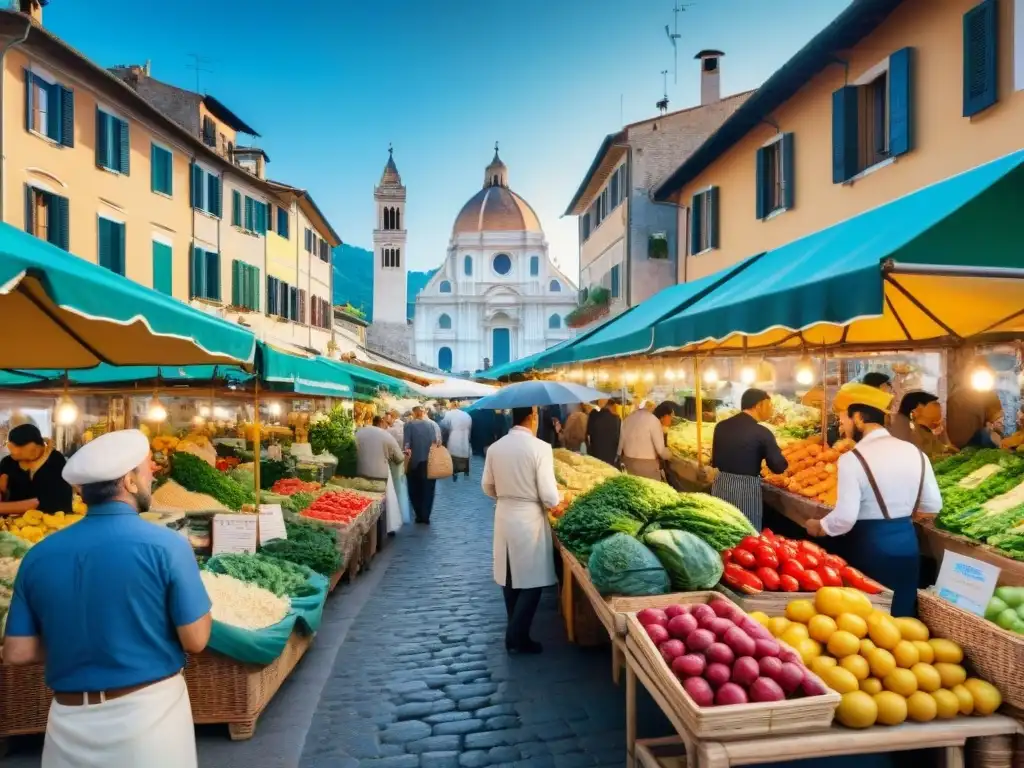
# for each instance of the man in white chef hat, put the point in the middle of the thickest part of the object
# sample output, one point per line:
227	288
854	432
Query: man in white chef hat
112	604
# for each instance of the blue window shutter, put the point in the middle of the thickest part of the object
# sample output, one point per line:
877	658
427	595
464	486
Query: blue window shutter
844	134
53	111
788	172
67	117
163	261
103	237
154	168
248	213
697	203
615	282
28	100
712	202
119	247
212	272
30	210
981	33
58	221
213	194
901	123
101	140
124	143
760	184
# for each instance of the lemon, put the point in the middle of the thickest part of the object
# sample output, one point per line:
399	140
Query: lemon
911	629
947	704
901	681
946	651
857	710
794	634
857	602
871	685
808	649
928	678
906	654
921	707
760	617
852	623
892	708
883	633
986	696
951	674
925	651
965	698
819	664
830	601
840	680
866	647
777	625
821	627
858	665
881	661
800	610
843	644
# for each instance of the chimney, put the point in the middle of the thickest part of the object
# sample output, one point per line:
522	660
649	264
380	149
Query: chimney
710	84
33	9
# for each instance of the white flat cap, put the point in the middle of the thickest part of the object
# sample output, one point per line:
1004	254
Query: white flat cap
108	457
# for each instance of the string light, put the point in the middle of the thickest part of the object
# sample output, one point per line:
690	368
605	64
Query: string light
649	376
983	378
275	409
631	377
670	375
805	372
66	412
710	375
155	411
748	373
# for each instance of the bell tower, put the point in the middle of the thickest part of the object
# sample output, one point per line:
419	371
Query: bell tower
389	268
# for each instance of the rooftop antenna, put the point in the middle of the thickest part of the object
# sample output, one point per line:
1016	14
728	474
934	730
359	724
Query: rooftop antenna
197	64
662	105
674	36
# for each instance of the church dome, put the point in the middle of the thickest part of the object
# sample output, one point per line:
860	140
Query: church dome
496	208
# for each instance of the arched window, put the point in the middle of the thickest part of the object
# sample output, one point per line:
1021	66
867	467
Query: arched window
554	322
444	358
534	266
554	286
502	264
444	322
467	265
398	257
398	218
387	219
444	287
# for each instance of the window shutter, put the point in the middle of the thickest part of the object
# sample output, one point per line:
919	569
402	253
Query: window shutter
30	210
760	184
58	221
212	276
28	100
119	247
254	289
302	306
264	214
213	194
53	111
788	172
236	283
293	303
271	296
248	213
844	134
67	116
125	146
102	143
900	107
155	169
196	191
162	268
615	282
981	29
196	273
696	204
236	208
103	252
713	218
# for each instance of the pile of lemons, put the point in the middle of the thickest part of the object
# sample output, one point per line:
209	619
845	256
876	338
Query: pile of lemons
888	670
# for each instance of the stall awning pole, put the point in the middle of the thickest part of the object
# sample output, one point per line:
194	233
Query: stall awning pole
700	410
256	442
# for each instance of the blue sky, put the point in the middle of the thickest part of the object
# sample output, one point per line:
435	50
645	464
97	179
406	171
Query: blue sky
328	83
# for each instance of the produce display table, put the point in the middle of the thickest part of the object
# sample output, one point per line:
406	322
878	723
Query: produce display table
796	508
357	541
935	541
689	476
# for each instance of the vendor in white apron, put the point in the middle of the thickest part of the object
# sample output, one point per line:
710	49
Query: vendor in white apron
116	602
519	472
739	446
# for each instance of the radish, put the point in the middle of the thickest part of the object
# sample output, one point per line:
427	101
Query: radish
791	677
720	626
652	616
717	675
705	620
688	665
657	633
699	640
671	648
682	625
720	653
676	610
770	666
766	689
745	671
752	628
730	693
699	691
764	648
703	610
740	642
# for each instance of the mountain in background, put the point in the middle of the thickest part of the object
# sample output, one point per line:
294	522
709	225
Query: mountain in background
353	279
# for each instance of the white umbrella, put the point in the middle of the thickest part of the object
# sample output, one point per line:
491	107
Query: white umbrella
457	389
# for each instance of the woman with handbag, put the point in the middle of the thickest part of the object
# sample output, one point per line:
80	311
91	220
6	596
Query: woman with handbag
421	435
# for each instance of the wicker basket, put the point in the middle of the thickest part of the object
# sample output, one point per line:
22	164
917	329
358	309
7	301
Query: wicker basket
995	654
774	603
727	723
24	700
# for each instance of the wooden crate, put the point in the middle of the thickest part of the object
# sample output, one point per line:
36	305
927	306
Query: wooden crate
774	603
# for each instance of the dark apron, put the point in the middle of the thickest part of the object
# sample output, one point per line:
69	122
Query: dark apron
886	550
743	492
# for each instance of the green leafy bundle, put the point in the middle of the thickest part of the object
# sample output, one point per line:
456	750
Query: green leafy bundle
194	474
962	507
281	577
312	546
718	523
272	470
337	435
1010	542
13	546
298	501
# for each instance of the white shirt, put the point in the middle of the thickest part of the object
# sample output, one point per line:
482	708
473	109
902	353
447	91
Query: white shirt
896	466
458	423
642	437
397	431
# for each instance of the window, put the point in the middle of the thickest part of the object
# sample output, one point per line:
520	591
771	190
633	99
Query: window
872	119
111	244
980	60
245	285
502	264
467	266
209	132
236	208
206	190
112	143
444	287
204	274
163	268
704	221
555	287
391	258
585	227
49	109
325	252
320	313
444	359
616	288
534	266
46	216
554	322
774	173
283	223
160	170
253	215
444	322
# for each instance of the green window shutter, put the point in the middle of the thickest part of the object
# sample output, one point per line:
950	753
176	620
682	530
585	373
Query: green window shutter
788	172
981	33
196	192
67	117
760	184
53	111
102	128
713	205
213	276
29	103
30	210
249	214
236	283
124	146
263	213
213	194
615	288
111	245
901	123
119	248
155	169
163	268
58	221
103	237
844	134
236	208
696	211
254	289
196	272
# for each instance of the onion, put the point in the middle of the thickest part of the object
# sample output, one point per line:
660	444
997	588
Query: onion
730	693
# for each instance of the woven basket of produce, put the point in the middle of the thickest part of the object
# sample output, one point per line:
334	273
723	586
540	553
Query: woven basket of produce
24	700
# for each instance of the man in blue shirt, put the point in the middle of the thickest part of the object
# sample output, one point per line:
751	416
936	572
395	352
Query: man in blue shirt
111	605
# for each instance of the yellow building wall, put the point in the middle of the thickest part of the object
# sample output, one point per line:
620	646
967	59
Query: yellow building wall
91	191
281	259
230	135
944	142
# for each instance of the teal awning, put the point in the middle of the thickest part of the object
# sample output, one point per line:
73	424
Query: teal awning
368	381
942	263
112	375
60	311
536	361
314	376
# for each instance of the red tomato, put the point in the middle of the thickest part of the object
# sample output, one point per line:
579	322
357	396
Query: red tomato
788	583
726	556
870	586
741	580
768	536
750	543
835	561
792	568
785	552
807	560
766	556
744	558
850	575
814	549
769	578
810	581
829	576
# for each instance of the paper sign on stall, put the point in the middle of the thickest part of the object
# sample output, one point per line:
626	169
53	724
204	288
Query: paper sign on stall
234	534
966	582
271	523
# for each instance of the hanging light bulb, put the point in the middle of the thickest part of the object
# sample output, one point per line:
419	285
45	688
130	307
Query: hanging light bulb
155	411
805	372
631	377
649	376
748	373
983	378
670	375
711	375
681	374
198	420
275	409
204	411
604	376
66	412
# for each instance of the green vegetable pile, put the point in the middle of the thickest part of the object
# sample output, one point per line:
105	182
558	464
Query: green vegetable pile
690	563
278	576
298	501
272	470
313	546
194	474
13	546
622	565
962	507
337	436
716	522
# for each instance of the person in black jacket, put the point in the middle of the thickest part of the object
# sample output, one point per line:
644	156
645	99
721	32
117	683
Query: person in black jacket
603	428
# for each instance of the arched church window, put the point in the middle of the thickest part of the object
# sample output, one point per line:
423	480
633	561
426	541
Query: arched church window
444	358
444	322
534	266
554	322
398	218
387	219
398	257
554	286
502	264
444	287
467	265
